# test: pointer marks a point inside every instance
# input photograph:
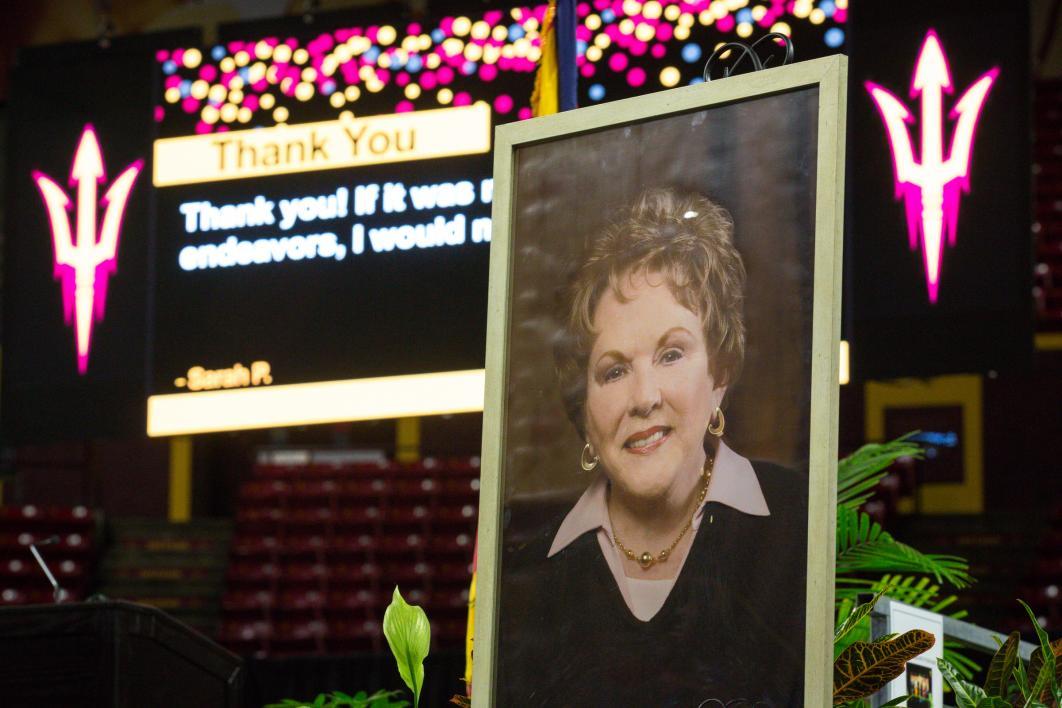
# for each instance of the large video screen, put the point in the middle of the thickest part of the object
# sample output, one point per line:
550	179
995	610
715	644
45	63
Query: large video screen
324	195
308	271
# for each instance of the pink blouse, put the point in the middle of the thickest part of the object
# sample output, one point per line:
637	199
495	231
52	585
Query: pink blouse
734	483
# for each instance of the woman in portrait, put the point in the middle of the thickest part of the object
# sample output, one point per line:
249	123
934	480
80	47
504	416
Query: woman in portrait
678	577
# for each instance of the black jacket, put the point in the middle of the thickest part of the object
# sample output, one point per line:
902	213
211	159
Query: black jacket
731	632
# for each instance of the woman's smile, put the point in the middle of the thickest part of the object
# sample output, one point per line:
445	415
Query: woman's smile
647	441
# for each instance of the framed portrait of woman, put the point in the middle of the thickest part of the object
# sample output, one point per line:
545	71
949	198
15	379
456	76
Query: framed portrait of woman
659	453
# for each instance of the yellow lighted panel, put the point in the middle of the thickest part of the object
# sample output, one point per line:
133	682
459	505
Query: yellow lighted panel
347	142
966	497
313	403
407	439
180	479
1048	341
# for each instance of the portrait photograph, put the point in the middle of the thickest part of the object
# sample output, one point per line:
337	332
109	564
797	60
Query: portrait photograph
661	400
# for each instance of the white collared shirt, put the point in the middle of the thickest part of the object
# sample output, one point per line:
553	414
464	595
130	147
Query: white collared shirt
734	483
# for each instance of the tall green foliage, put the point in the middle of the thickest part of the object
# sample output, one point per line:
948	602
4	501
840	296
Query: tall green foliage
409	635
1008	684
870	560
338	699
863	546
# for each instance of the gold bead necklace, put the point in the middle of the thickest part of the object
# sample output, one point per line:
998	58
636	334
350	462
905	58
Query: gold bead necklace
647	559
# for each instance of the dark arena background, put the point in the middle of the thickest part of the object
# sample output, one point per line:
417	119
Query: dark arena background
250	399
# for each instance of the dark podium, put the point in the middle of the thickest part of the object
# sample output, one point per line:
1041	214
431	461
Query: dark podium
112	655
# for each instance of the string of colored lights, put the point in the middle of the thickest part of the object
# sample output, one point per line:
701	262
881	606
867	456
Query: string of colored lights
423	68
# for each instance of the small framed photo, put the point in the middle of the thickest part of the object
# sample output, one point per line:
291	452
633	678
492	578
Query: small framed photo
659	455
919	686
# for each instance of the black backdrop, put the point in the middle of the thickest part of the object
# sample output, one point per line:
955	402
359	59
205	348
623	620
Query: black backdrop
55	92
983	318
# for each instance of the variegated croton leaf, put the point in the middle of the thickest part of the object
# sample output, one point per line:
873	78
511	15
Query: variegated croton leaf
1002	666
865	668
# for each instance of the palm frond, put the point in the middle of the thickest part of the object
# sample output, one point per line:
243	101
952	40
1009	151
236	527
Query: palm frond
864	547
917	590
859	473
886	555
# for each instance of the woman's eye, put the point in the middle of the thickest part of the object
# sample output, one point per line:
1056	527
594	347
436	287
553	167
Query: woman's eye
613	373
671	355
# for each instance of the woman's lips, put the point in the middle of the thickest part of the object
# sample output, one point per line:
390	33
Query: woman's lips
646	441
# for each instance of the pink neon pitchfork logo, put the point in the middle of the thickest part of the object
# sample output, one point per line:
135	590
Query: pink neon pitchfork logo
83	265
930	188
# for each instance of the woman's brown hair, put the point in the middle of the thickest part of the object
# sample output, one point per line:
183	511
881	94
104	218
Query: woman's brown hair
682	236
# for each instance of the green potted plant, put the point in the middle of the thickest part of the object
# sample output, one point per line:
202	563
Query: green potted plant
1009	684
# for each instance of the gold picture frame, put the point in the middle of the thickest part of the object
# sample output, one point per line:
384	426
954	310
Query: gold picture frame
827	77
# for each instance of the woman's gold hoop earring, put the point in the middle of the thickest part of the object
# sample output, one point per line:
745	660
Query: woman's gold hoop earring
594	459
716	429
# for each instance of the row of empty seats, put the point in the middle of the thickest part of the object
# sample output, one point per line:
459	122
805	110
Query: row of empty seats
430	467
418	574
264	518
319	548
268	638
349	547
374	485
